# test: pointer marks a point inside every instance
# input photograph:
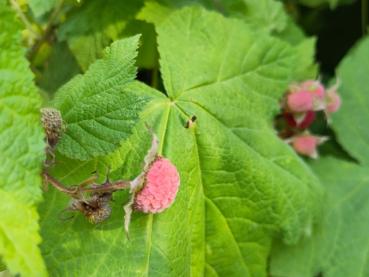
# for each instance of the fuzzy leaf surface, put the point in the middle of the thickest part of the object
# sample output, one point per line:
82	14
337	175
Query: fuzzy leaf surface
350	123
339	247
240	184
98	113
21	151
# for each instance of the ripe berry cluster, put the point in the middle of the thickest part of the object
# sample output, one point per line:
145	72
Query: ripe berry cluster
300	106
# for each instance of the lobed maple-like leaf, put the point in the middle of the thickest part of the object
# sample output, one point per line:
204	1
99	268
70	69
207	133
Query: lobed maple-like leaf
241	186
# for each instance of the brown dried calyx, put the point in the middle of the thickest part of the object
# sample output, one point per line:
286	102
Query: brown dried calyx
53	124
89	198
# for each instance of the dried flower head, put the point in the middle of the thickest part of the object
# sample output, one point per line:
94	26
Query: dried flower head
96	208
53	124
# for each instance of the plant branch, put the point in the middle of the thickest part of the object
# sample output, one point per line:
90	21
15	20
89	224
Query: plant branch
23	18
76	191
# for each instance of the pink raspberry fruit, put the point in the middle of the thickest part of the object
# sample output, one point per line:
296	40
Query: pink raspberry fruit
160	187
307	145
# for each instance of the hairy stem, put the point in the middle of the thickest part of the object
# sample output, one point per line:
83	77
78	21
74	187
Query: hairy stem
77	191
364	16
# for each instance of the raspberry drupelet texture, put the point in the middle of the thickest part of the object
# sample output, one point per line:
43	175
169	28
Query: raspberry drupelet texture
160	187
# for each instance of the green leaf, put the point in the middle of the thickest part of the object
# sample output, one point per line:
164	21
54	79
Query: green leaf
96	23
40	7
340	245
350	122
19	237
305	47
154	12
306	67
22	153
99	113
241	186
266	15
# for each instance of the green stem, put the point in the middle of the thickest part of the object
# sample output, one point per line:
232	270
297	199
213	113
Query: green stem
24	18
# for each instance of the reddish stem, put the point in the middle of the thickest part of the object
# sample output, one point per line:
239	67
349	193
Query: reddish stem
75	191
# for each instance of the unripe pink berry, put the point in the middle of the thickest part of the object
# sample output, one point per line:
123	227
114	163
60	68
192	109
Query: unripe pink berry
301	101
307	144
160	187
333	101
315	88
307	96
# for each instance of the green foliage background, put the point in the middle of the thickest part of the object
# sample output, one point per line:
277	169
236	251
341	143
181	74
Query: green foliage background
247	204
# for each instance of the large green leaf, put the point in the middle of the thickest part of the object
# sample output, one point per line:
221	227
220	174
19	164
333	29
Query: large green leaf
241	186
350	123
340	245
97	111
265	15
21	151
